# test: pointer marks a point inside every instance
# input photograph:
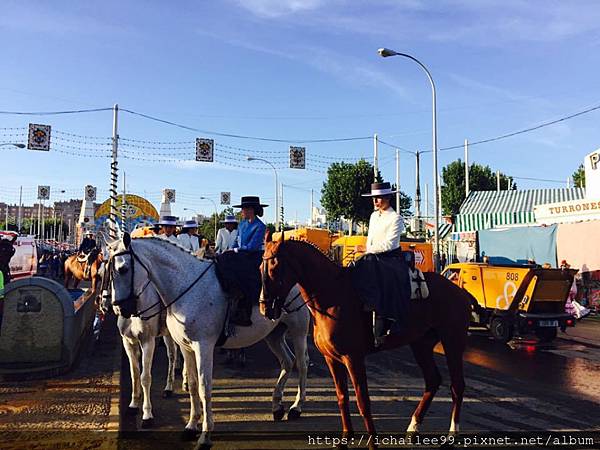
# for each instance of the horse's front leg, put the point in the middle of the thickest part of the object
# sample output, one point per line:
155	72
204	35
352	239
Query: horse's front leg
204	357
171	348
189	361
277	345
133	354
302	361
148	345
340	379
358	374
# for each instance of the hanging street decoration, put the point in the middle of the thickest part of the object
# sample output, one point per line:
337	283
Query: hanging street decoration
297	158
204	150
39	137
43	192
169	195
225	198
90	193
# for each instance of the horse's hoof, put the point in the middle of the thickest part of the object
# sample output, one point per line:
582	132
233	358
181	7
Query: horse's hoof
167	394
148	423
278	414
189	435
132	411
294	414
204	441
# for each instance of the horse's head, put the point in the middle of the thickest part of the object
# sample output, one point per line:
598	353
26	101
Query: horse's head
120	269
278	278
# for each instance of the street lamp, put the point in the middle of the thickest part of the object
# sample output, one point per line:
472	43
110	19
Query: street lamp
13	144
250	158
384	53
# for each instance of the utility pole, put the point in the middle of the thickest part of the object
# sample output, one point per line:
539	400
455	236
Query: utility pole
114	174
6	220
397	181
39	224
417	189
569	183
427	200
375	156
312	203
20	210
466	168
498	180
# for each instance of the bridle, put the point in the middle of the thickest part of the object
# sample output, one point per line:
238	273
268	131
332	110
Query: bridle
134	297
273	304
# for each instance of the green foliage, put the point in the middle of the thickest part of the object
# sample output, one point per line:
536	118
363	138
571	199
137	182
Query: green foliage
579	177
206	229
341	192
481	178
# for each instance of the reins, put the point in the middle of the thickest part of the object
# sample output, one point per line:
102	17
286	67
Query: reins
134	297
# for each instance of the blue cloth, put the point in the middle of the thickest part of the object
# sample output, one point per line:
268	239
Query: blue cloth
519	244
250	235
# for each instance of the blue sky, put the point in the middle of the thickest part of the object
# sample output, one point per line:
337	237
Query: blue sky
292	69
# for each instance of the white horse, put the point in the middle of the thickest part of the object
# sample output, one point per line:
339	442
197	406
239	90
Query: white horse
196	313
141	334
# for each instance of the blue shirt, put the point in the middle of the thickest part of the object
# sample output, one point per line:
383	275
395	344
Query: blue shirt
250	235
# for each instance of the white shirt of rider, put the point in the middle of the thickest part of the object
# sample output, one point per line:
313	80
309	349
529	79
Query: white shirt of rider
385	228
191	242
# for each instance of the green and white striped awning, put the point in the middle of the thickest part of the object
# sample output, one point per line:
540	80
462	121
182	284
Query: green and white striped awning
491	209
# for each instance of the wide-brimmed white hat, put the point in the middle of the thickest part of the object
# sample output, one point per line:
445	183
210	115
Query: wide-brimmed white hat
229	219
189	224
168	221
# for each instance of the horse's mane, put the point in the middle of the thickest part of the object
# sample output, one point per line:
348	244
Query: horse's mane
313	248
170	242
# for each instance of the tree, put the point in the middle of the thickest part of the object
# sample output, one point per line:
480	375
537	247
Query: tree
206	229
341	192
579	177
481	178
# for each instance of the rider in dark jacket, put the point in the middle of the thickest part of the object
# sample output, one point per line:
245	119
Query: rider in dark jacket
88	247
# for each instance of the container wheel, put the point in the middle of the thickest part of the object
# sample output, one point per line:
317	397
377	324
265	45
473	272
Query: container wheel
501	329
546	334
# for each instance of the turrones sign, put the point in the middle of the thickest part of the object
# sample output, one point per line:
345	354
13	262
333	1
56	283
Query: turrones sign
572	211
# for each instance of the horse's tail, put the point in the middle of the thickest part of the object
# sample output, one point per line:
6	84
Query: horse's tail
475	306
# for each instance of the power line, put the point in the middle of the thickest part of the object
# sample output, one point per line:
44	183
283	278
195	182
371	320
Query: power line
54	113
526	130
239	136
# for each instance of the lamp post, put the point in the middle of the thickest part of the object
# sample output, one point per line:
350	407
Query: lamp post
250	158
384	53
13	144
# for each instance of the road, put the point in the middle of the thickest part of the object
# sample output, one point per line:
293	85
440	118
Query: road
524	386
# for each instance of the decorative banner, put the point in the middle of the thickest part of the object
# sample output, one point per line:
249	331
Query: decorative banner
39	137
297	158
204	150
43	192
169	195
225	198
90	193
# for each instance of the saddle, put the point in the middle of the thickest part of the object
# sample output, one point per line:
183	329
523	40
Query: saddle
82	257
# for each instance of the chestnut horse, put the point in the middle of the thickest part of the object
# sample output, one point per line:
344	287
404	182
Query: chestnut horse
343	330
76	269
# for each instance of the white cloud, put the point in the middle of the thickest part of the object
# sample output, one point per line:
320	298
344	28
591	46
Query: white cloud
276	8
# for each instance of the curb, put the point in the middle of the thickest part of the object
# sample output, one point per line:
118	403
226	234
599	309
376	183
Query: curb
579	340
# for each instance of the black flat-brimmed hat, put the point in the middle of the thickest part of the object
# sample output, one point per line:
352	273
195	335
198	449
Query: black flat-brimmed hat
168	221
250	201
380	190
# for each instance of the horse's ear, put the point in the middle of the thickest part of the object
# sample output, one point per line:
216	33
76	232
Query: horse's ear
126	239
268	237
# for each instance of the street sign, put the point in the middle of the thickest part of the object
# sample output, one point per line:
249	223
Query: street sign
297	158
43	192
39	137
419	258
90	193
204	150
169	195
225	198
